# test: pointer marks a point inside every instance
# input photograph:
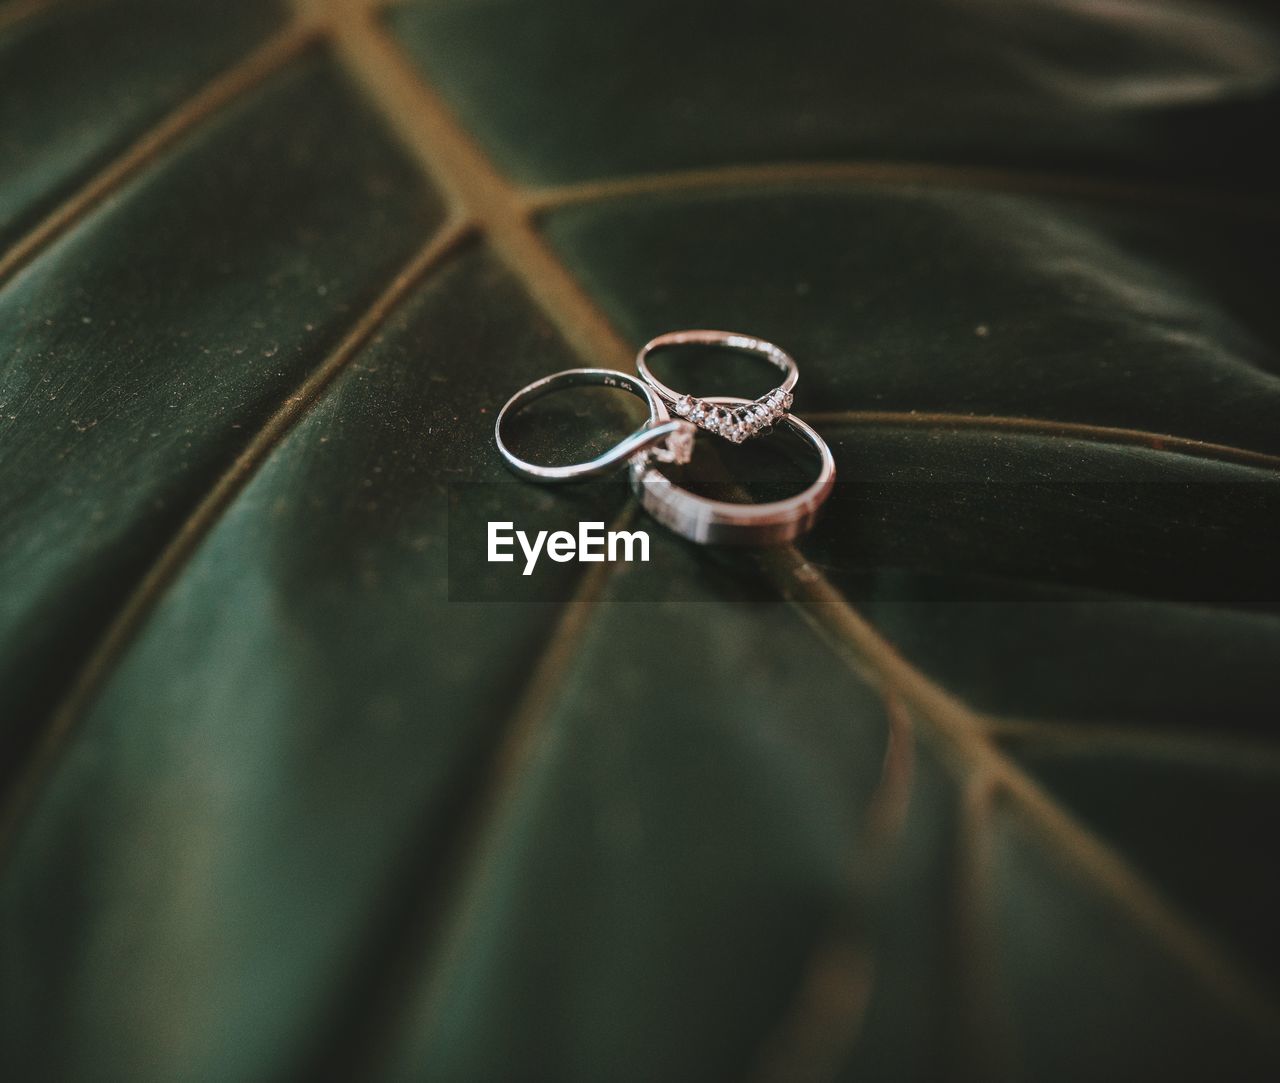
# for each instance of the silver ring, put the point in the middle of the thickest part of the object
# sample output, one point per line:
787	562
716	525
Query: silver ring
716	522
751	417
666	440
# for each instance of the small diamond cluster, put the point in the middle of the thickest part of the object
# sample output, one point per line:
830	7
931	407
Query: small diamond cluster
678	447
740	422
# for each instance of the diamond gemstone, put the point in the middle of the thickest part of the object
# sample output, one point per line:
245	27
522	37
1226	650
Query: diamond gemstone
680	446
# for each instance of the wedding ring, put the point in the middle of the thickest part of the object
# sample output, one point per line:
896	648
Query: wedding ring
661	437
716	522
743	421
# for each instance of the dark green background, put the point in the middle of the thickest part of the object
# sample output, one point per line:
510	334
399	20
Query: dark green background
979	783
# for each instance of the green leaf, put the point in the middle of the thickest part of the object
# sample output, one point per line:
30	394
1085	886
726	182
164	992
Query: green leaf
146	347
976	781
81	80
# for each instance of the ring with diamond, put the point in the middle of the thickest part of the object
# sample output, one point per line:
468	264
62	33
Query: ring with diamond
717	522
665	439
742	422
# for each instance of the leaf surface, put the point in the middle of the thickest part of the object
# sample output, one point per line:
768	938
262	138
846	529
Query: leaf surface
975	781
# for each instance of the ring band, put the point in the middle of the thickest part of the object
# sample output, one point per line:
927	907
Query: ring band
716	522
661	437
744	421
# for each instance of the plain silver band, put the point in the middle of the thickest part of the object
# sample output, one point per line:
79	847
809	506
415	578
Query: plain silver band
729	339
716	522
656	430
